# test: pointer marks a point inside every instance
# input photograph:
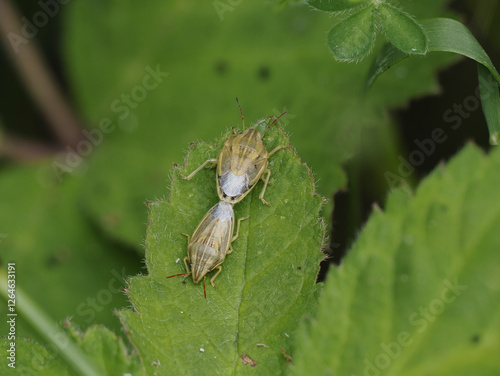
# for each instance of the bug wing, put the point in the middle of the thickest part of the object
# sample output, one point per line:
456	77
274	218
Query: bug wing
226	192
216	229
224	162
255	171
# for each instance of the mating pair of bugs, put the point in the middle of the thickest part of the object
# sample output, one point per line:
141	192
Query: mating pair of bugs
241	163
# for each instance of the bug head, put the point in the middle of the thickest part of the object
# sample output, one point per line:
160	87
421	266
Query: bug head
251	136
198	272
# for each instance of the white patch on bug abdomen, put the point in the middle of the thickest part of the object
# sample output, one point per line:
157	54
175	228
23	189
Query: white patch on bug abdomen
223	211
233	185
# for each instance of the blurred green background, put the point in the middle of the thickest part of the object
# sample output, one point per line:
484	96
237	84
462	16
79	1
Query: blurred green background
147	79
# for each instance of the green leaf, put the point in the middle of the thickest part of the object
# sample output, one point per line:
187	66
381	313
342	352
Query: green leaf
419	292
447	35
24	307
336	5
32	359
51	240
386	58
402	30
105	348
130	166
266	285
490	101
96	352
353	38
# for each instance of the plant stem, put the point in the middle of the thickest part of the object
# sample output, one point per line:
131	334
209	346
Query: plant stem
37	77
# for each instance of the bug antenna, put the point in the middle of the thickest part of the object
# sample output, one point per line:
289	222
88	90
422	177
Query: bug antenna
178	275
275	120
241	112
204	290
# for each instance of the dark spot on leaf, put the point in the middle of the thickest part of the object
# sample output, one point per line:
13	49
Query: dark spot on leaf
221	67
184	281
59	257
475	338
299	267
264	72
52	261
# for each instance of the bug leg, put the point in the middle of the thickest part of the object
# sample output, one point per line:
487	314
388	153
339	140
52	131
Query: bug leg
188	270
268	172
190	176
266	182
264	179
237	231
279	148
230	249
215	276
